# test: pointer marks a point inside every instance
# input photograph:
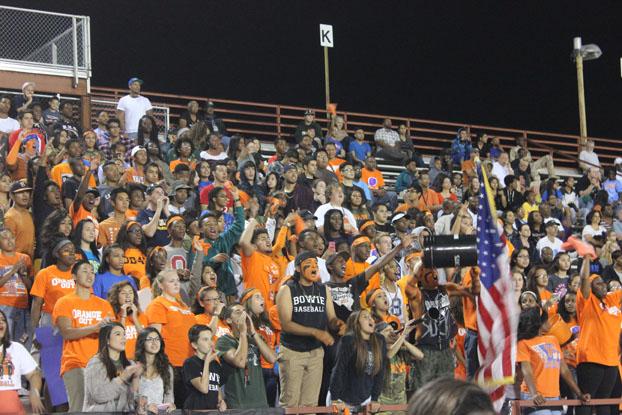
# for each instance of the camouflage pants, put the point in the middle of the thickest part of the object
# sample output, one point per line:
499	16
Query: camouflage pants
434	365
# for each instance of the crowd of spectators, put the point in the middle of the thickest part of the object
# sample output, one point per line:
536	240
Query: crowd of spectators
187	269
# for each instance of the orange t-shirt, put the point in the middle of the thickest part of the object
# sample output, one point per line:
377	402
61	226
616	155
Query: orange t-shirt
176	319
373	179
600	329
260	271
545	295
62	171
133	175
14	292
81	214
174	163
354	268
108	231
335	165
544	354
131	214
135	263
428	199
144	283
51	284
131	334
221	328
469	307
82	313
19	222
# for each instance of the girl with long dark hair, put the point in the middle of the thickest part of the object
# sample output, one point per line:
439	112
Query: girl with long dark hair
111	271
357	378
250	183
537	282
84	241
334	229
560	272
357	203
156	262
123	299
147	130
156	381
110	379
131	239
58	225
218	201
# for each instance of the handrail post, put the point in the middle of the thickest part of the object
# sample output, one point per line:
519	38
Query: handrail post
278	121
74	39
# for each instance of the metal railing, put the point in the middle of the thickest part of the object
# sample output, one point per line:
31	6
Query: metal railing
269	121
42	42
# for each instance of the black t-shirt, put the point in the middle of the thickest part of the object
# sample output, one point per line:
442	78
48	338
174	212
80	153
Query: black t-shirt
73	129
386	228
160	237
70	187
346	295
192	369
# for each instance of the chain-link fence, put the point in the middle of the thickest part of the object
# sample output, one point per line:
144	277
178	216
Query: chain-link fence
54	41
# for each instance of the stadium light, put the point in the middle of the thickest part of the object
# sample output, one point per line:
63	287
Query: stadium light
582	53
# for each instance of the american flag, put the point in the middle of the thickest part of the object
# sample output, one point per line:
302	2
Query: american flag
497	309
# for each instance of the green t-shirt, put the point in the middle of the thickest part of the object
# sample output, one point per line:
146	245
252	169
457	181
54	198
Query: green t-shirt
245	387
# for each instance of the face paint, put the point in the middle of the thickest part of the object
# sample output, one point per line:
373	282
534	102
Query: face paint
429	278
310	270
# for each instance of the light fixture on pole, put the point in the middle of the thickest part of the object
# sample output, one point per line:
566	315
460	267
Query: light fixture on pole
582	53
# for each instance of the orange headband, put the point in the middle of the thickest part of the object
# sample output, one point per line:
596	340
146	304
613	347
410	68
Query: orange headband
593	277
155	250
372	298
366	225
249	295
130	223
361	240
173	219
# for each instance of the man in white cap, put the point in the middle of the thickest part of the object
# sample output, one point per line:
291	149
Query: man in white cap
23	101
132	107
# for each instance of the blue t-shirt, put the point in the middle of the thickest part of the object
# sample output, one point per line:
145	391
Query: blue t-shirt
104	281
361	150
92	259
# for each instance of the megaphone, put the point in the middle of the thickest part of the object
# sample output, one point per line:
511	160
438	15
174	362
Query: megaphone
441	251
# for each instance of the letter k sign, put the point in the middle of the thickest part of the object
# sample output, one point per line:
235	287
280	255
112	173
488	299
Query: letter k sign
326	35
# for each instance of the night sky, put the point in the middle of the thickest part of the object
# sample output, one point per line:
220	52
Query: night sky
498	63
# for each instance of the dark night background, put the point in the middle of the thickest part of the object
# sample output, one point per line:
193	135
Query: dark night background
498	63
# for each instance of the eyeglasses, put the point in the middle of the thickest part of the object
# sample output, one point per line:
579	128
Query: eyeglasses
522	256
152	340
211	300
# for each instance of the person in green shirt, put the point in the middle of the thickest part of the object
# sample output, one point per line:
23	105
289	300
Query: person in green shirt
239	353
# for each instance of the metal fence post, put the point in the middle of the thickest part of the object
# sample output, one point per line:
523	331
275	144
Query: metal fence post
74	39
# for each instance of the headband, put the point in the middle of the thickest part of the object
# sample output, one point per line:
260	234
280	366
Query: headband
373	296
535	297
60	245
130	223
155	250
593	277
249	294
173	219
361	240
366	225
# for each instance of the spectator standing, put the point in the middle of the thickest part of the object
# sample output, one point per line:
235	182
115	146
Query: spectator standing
67	121
306	124
78	316
51	115
215	124
153	218
7	124
24	144
23	101
132	107
18	219
306	312
461	147
156	381
102	130
110	379
588	159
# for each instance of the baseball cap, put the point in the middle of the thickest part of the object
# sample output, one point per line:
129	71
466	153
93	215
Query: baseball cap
180	186
307	215
309	112
550	222
25	84
19	186
134	79
151	188
93	191
333	257
618	160
136	149
210	103
398	216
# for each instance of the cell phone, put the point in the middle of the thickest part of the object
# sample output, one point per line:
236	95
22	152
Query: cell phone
331	245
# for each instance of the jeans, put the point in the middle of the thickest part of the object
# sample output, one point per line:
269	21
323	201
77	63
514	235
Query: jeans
470	352
549	410
18	320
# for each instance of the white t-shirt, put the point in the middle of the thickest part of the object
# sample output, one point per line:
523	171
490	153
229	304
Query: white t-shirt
500	172
8	125
18	362
321	263
589	231
556	245
347	215
133	108
590	157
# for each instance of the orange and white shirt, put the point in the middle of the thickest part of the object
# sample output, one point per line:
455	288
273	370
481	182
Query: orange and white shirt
176	319
14	292
51	284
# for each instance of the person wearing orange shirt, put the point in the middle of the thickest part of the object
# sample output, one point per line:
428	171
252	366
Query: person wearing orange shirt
62	171
132	239
24	144
83	204
361	247
372	177
172	318
600	319
541	363
123	298
19	220
109	228
429	199
52	283
15	281
207	308
471	282
79	316
334	162
258	268
136	173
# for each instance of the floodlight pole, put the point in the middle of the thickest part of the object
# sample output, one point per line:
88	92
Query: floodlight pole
581	92
326	77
